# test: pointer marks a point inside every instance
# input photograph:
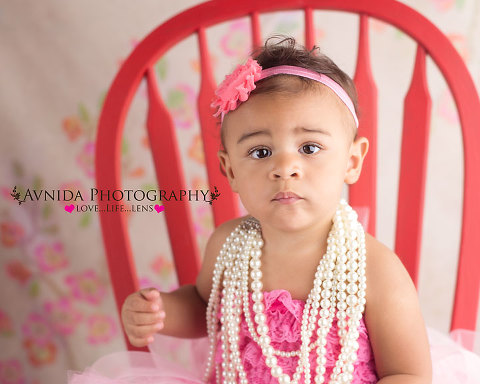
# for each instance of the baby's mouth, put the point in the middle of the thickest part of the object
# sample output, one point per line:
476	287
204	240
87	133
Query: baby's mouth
286	197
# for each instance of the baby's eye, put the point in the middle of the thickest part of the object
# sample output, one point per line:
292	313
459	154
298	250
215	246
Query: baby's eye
259	153
309	149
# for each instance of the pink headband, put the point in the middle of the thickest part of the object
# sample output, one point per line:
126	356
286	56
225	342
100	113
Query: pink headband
237	86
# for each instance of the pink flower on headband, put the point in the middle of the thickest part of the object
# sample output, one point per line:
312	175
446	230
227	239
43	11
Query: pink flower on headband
236	87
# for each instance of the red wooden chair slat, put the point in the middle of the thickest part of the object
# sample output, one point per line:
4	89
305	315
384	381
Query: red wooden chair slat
362	194
118	250
309	28
256	31
226	206
413	168
465	303
169	172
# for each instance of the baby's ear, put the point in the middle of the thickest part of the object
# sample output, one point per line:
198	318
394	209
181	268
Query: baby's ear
358	150
227	168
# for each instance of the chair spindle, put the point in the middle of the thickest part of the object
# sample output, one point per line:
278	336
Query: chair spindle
413	168
362	194
169	172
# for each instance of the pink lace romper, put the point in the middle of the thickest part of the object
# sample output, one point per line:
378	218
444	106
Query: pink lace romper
284	317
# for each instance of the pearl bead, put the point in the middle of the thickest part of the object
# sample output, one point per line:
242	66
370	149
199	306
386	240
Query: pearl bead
262	329
351	300
260	318
320	369
271	361
352	277
352	265
264	340
269	350
352	288
276	371
257	285
321	332
325	303
257	296
256	274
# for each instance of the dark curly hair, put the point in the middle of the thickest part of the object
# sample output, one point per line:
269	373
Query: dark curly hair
283	50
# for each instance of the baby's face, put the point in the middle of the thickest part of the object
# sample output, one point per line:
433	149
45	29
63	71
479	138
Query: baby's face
298	143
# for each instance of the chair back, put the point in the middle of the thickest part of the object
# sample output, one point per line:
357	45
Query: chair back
362	195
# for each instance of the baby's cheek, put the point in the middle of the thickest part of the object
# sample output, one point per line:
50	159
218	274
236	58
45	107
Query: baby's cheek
250	200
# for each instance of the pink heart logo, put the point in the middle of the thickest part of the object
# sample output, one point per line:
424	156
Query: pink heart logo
69	208
159	208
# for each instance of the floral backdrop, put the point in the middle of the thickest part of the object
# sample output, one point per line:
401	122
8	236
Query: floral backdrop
57	310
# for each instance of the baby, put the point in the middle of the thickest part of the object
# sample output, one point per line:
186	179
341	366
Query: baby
289	143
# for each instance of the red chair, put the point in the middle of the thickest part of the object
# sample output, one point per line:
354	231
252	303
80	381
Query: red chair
362	195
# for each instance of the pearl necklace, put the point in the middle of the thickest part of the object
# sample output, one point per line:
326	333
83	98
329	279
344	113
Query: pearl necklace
339	284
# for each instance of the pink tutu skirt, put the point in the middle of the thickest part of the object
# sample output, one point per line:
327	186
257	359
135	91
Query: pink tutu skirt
452	362
173	360
170	360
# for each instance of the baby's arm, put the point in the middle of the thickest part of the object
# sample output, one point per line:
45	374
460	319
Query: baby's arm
394	320
180	313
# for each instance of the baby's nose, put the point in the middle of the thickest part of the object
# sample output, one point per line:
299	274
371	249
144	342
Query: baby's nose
285	166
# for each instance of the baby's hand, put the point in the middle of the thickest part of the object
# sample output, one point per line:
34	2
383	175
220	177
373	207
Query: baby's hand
142	316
